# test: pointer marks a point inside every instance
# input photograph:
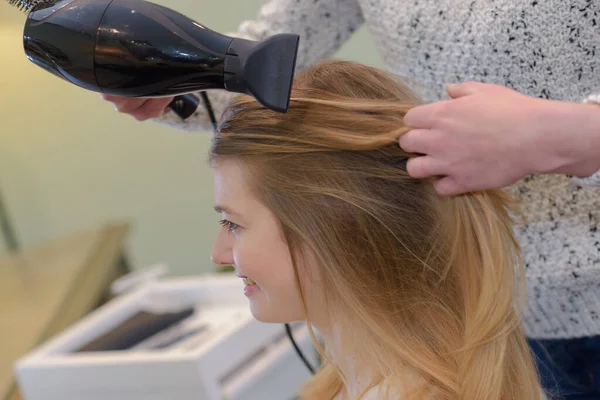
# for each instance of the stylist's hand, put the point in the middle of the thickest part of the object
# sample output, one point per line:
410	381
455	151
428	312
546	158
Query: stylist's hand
489	136
141	109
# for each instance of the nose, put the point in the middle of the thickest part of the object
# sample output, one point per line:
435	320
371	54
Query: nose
222	251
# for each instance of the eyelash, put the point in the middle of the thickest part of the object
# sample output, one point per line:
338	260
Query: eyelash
231	227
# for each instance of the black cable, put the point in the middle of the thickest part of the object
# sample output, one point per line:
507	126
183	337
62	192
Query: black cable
209	109
288	329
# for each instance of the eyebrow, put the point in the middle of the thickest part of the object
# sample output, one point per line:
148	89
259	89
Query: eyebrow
224	209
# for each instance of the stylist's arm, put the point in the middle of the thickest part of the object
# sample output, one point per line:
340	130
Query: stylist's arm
489	136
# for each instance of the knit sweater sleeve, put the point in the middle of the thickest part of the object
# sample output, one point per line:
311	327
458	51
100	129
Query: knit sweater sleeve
323	26
592	180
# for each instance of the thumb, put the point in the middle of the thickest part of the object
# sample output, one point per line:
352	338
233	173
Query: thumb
464	89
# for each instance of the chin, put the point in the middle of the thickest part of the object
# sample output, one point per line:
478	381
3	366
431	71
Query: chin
270	317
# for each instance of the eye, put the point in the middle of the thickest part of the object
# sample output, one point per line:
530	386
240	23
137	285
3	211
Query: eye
231	227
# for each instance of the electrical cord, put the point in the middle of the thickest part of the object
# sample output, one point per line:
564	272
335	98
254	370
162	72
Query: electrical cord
288	329
209	109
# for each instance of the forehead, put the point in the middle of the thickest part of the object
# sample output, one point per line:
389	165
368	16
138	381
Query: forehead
228	175
231	188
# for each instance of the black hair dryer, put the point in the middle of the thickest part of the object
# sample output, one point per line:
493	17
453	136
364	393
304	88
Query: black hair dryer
135	48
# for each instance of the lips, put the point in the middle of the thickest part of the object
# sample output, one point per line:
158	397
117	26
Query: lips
247	281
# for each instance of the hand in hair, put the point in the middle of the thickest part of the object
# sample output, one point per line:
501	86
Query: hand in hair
488	136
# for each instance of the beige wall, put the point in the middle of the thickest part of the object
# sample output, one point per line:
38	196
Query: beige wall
69	161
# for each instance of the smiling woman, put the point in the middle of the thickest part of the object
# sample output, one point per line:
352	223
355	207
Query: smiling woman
414	294
251	240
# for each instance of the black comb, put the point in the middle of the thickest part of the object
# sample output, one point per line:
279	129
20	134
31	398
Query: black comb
28	5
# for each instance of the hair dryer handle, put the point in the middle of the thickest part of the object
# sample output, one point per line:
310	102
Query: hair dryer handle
184	105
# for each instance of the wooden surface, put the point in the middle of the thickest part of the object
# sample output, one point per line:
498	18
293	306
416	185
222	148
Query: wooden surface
47	288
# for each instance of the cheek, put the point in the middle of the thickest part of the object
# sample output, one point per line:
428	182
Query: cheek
266	259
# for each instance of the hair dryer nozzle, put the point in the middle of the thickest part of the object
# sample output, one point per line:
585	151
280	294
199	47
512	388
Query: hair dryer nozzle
264	70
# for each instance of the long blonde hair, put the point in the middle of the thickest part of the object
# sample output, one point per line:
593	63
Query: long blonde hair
432	285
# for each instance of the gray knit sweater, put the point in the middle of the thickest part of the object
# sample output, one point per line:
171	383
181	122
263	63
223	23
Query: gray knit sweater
543	48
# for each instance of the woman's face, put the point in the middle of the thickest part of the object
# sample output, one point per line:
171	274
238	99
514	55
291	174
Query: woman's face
251	240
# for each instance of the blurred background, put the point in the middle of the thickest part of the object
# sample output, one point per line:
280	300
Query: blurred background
69	161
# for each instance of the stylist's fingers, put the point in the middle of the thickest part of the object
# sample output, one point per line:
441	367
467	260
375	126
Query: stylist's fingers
465	89
125	105
153	108
139	108
421	141
421	116
447	186
424	167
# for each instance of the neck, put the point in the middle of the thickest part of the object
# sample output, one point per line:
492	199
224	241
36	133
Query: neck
343	349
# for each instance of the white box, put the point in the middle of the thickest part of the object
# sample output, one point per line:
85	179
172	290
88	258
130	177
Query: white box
238	358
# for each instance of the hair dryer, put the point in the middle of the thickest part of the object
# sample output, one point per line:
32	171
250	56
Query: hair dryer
135	48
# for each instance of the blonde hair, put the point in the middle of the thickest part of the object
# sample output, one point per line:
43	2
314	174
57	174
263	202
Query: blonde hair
432	285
